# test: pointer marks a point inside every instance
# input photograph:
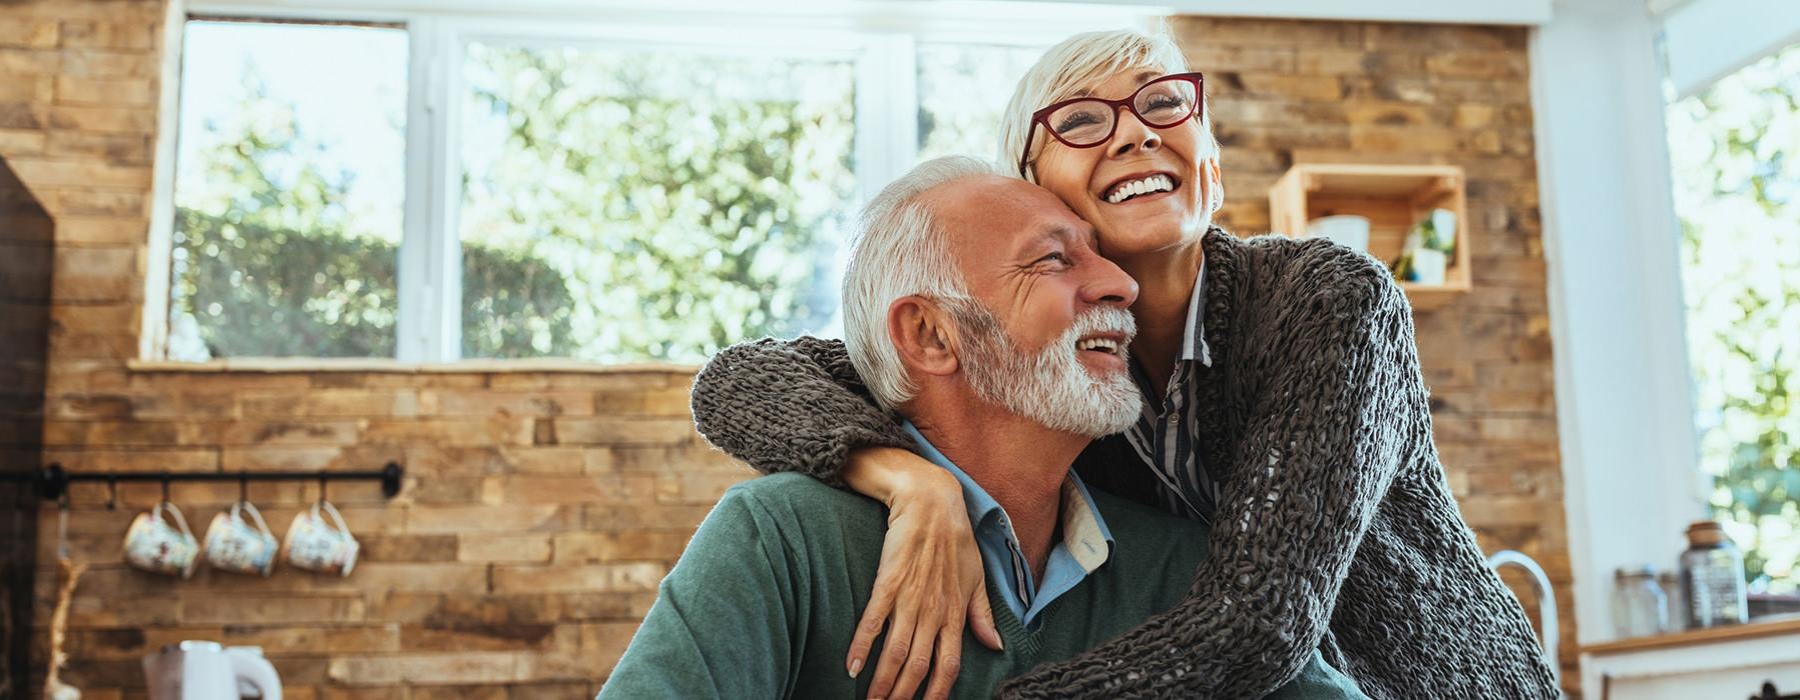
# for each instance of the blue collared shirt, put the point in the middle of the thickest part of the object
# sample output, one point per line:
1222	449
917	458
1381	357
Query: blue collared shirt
1085	545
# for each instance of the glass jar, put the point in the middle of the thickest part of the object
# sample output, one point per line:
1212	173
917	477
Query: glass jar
1712	574
1640	608
1670	581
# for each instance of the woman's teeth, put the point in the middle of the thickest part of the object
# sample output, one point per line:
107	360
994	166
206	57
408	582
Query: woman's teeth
1148	185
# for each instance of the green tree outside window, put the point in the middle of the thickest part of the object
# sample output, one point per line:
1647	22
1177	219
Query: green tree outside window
1736	156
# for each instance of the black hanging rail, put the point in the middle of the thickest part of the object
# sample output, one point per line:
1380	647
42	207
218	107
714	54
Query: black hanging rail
53	481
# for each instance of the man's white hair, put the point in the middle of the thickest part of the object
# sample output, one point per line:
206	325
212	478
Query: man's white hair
1079	63
899	249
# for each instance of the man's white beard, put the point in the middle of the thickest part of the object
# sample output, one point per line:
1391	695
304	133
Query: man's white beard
1050	387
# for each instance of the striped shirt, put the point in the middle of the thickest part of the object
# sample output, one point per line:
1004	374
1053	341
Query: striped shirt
1163	437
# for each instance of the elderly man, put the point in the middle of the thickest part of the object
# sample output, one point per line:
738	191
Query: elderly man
977	308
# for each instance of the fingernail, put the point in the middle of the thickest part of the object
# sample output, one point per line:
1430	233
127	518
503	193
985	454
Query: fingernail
855	667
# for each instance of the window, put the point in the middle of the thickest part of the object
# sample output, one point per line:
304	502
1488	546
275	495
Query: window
1736	155
289	190
963	88
441	188
649	203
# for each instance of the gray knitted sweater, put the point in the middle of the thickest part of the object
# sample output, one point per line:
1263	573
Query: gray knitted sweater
1335	530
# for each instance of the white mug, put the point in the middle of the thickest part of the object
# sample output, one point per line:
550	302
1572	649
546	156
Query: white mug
236	544
317	544
152	544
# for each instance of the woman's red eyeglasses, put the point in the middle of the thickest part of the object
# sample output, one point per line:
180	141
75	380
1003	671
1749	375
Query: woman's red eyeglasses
1086	122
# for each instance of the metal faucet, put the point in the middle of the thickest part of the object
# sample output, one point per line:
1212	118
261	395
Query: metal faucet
1546	601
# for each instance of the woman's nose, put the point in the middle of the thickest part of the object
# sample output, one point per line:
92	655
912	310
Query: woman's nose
1132	134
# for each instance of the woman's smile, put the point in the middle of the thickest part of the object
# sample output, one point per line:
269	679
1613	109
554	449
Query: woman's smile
1139	186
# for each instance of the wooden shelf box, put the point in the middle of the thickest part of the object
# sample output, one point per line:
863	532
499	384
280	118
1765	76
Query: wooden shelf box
1393	197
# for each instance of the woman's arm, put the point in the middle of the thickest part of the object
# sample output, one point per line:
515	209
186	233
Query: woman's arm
794	405
1302	493
930	580
799	406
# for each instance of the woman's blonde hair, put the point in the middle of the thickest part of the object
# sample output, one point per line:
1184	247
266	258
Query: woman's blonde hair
1081	62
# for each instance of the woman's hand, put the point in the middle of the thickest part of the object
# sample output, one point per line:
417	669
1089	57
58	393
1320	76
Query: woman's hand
930	577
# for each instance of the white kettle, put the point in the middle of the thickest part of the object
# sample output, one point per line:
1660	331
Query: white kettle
200	670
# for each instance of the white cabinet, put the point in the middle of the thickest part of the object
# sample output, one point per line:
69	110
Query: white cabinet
1728	663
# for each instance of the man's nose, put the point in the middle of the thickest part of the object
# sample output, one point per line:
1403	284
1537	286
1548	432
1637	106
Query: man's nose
1131	134
1108	285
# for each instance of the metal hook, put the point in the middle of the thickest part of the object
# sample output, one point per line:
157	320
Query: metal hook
243	487
322	480
62	525
165	485
112	492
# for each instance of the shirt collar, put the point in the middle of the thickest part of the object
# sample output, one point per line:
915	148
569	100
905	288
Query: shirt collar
1085	534
1193	343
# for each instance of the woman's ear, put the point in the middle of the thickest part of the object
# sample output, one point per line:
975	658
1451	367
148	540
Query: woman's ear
922	335
1215	184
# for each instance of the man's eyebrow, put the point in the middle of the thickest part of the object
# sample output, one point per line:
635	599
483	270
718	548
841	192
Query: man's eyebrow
1054	232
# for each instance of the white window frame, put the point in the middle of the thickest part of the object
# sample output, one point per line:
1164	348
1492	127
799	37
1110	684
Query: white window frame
881	38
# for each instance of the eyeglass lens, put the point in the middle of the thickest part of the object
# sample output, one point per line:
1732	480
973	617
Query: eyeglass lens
1161	103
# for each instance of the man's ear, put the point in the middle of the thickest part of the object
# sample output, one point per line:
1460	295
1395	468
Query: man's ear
923	335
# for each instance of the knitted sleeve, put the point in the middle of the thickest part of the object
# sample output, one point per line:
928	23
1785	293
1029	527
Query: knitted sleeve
790	405
1328	427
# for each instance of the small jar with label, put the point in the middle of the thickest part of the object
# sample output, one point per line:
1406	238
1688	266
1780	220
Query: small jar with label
1712	576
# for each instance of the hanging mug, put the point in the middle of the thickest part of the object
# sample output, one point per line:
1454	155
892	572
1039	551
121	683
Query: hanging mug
315	543
154	545
236	544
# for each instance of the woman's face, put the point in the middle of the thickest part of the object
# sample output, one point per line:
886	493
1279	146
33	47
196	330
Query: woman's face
1085	178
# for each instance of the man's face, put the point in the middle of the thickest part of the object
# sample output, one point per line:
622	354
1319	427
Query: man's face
1047	337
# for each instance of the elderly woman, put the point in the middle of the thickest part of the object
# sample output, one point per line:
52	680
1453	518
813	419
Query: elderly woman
1284	404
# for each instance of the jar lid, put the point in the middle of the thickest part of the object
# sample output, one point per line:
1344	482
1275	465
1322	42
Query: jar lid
1706	533
1642	571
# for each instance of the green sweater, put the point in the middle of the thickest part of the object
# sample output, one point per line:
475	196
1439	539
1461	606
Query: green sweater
763	602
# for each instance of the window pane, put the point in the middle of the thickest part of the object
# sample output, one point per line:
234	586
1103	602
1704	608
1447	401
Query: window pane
1736	156
289	190
963	88
649	204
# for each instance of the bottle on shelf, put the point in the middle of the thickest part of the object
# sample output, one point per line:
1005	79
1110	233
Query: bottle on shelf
1712	575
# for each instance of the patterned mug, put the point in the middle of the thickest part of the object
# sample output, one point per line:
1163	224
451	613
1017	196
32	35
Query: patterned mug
314	543
239	545
152	544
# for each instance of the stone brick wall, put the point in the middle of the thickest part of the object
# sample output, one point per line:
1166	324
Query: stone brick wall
541	507
538	514
1285	92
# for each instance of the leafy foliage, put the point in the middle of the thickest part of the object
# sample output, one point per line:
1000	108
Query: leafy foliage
1736	152
268	261
687	200
618	205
